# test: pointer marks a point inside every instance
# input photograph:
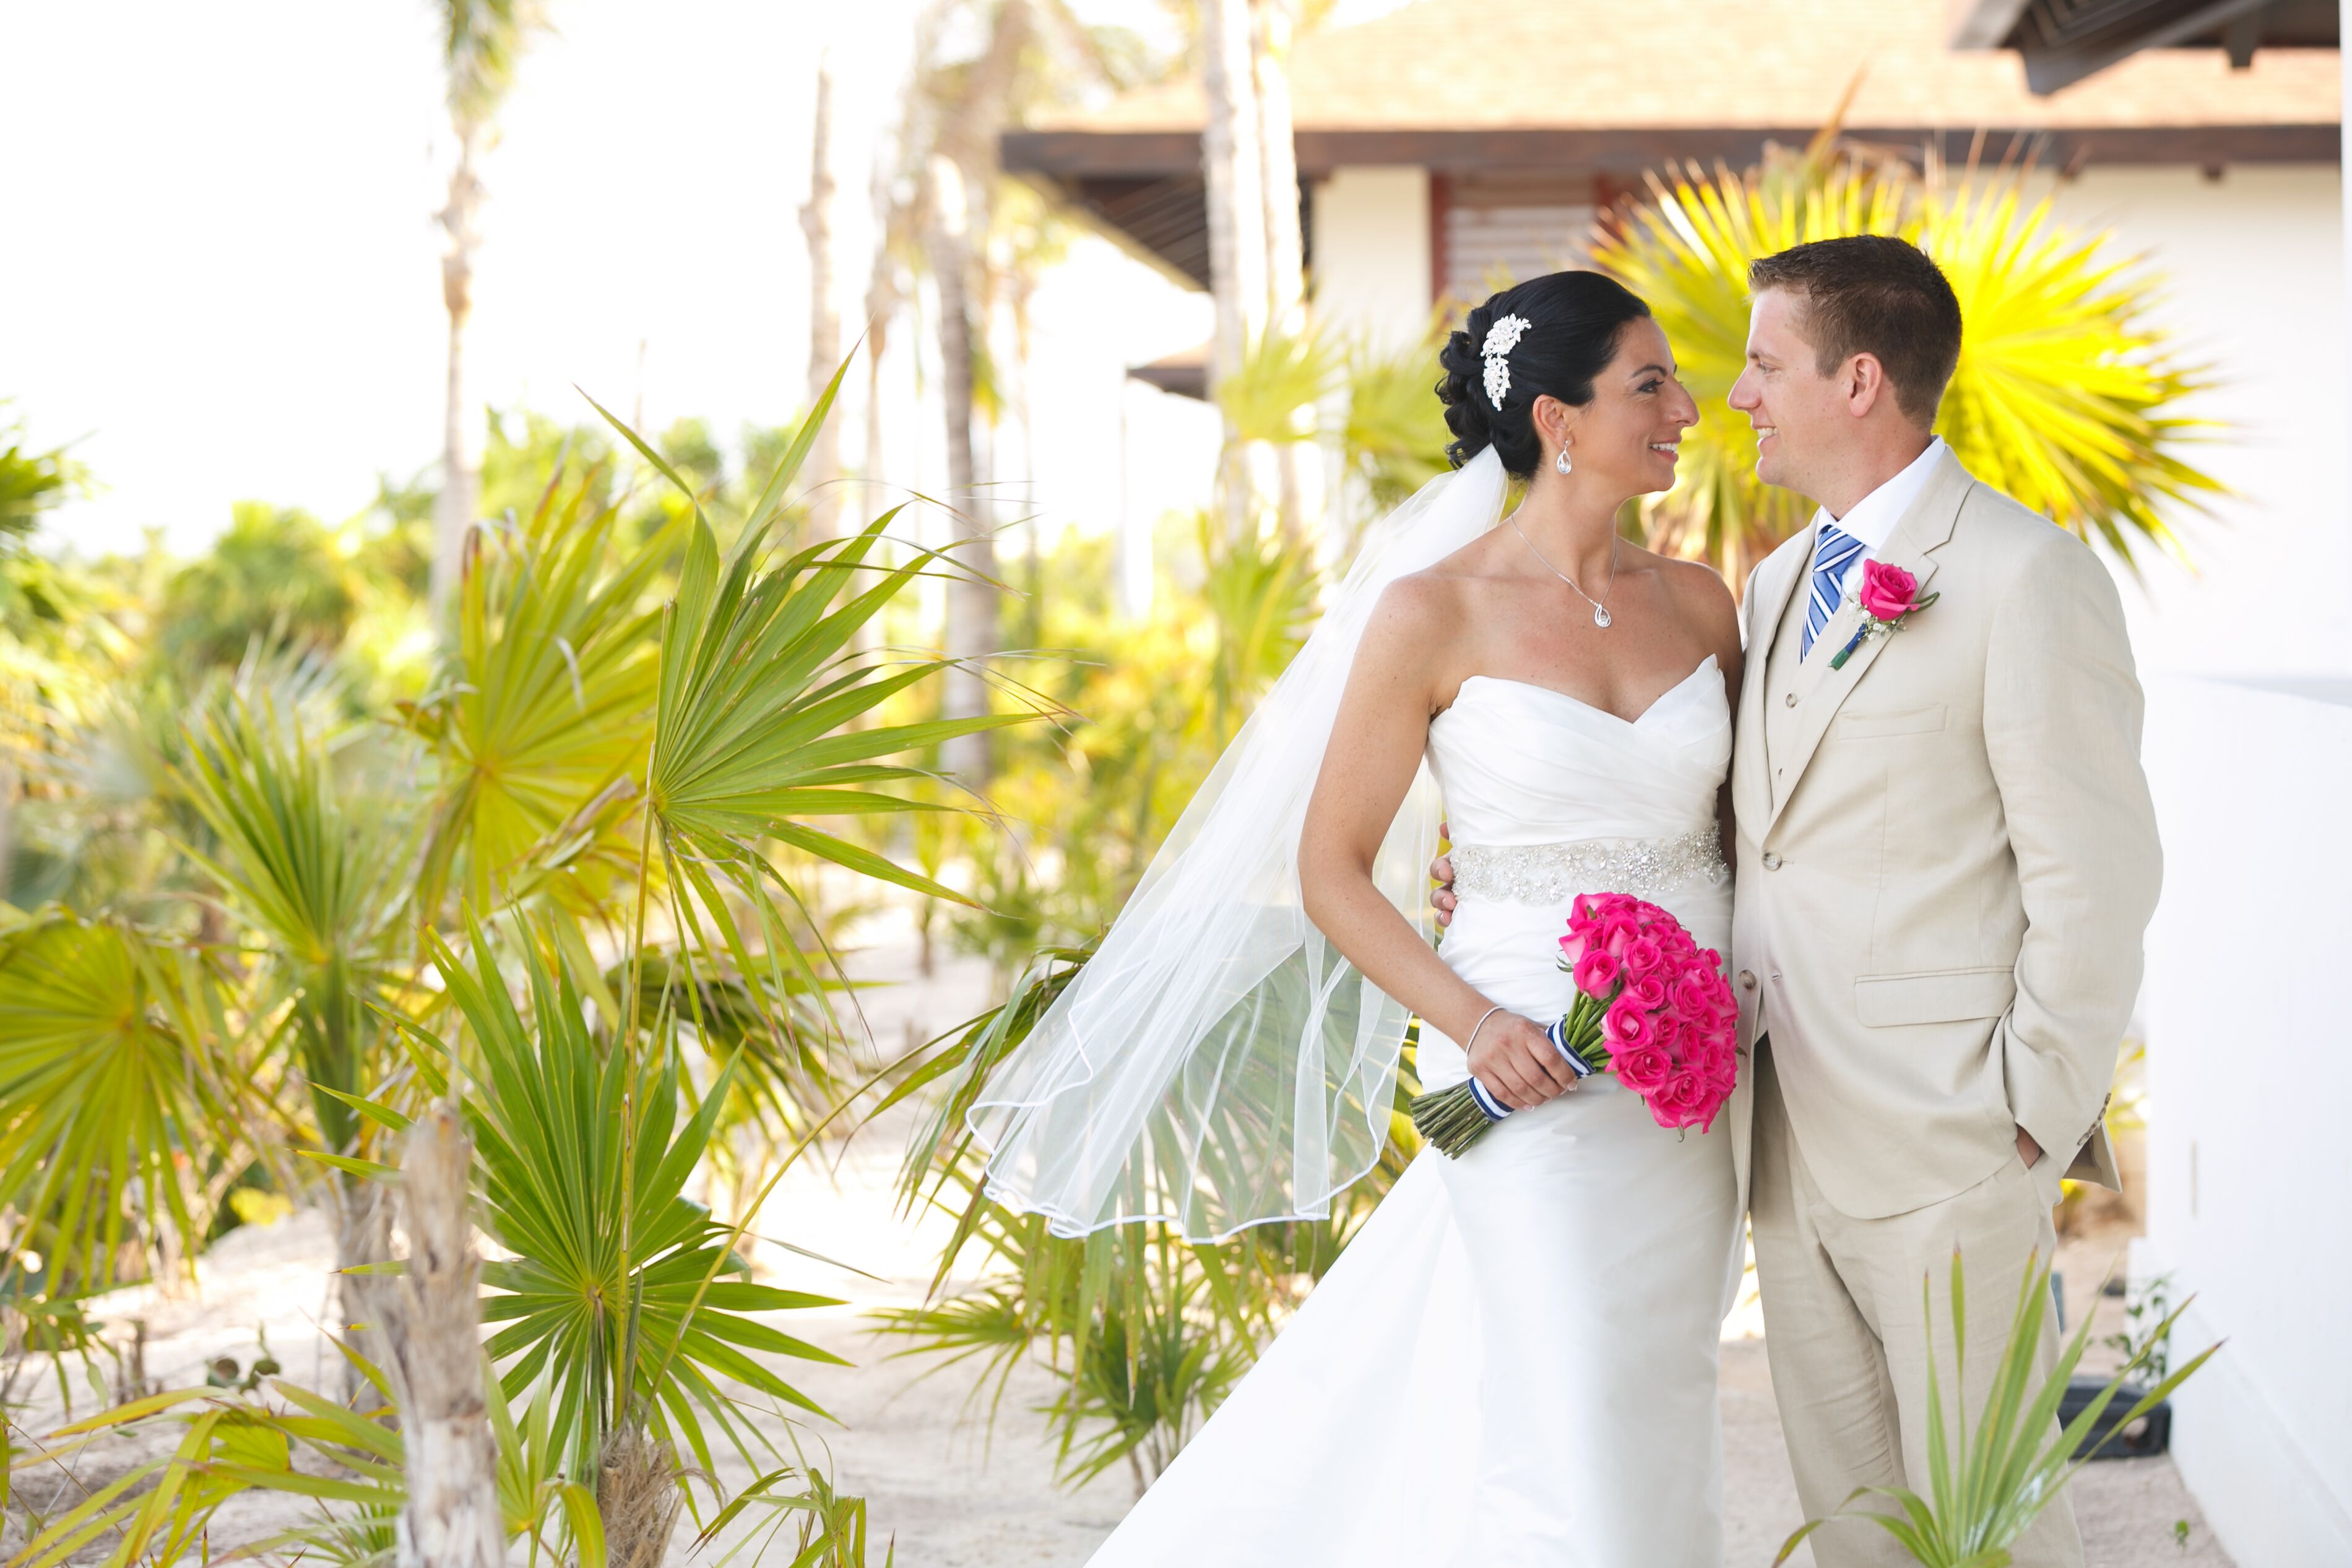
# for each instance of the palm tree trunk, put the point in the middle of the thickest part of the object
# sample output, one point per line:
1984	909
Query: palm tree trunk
461	464
971	593
824	321
1234	169
452	1519
964	172
1285	264
362	1236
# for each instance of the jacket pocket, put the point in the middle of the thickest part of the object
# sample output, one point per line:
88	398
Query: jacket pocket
1908	721
1937	996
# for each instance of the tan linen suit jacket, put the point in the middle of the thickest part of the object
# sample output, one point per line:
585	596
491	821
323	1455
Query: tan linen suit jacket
1948	858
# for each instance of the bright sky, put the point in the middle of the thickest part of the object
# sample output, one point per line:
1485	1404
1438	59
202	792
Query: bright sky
222	277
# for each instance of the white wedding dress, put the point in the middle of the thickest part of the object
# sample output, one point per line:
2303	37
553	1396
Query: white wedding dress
1513	1366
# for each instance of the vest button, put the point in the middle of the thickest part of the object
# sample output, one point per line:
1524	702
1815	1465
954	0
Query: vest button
1746	979
1792	700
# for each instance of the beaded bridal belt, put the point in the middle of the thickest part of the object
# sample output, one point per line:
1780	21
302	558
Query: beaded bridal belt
1554	873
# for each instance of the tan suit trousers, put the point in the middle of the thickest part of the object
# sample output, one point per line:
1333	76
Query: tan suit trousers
1848	1343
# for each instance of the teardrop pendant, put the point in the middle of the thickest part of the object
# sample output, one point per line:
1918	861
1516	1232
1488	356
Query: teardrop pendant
1601	616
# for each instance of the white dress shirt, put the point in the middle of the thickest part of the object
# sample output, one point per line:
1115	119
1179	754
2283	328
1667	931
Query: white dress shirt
1871	519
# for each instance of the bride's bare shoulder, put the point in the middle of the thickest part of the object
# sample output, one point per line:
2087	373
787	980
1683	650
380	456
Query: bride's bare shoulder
1695	589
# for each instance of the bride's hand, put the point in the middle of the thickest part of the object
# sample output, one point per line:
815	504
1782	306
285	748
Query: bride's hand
1513	1057
1440	872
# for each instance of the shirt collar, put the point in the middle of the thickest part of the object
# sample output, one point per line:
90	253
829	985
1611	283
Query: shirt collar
1871	519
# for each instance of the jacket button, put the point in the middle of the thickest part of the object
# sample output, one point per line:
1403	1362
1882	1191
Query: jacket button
1746	979
1792	700
1771	862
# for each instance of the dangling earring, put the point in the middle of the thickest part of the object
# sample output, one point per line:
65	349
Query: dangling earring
1562	464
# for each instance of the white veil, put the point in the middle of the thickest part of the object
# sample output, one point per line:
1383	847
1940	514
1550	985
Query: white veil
1218	1064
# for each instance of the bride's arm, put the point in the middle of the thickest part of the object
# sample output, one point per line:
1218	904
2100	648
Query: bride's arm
1376	744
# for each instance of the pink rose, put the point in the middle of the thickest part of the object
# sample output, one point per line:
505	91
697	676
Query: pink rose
1595	972
1617	933
1888	593
1644	956
1688	1095
1710	1054
1626	1025
1647	992
1692	997
1642	1069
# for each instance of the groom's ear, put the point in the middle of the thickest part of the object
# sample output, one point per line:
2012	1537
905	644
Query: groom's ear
1861	382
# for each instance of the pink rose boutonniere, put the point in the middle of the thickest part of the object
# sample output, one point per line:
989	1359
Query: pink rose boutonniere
1888	596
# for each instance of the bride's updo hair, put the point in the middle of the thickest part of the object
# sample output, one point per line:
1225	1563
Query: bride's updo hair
1574	320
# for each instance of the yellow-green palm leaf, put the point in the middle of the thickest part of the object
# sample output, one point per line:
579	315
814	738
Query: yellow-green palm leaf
2066	396
549	699
111	1074
317	877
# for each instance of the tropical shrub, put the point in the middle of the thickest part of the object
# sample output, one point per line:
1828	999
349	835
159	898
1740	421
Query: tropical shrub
606	796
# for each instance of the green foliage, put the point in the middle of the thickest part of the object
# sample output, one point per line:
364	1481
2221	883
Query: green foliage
546	704
481	40
1396	436
1149	708
30	484
584	1161
632	722
234	1445
107	1074
1282	378
1986	1491
316	876
2067	394
275	577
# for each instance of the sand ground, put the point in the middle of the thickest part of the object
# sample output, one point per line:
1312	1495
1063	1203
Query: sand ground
952	1489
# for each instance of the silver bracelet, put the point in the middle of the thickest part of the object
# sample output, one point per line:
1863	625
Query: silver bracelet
1475	1028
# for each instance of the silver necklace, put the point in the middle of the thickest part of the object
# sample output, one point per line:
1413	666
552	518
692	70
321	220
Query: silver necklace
1600	605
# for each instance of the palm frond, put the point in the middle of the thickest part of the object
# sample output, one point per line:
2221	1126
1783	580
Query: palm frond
2067	395
112	1065
608	1256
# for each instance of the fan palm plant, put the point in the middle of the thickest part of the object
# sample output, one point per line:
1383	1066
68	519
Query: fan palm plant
1985	1490
2067	395
315	871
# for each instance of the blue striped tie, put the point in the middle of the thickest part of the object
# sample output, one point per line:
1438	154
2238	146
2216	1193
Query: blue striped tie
1833	557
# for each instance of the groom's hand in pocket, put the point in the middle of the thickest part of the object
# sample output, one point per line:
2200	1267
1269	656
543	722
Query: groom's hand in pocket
1440	872
1514	1059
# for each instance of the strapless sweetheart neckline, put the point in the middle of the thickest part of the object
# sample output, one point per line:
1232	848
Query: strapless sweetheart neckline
1660	701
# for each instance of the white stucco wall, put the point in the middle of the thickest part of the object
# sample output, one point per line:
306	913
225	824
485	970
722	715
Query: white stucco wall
2250	1068
1371	253
2254	269
2246	660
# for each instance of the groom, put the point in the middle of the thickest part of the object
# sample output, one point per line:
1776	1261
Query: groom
1947	861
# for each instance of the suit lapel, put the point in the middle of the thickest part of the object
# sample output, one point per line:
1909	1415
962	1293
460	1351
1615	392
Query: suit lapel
1767	601
1821	691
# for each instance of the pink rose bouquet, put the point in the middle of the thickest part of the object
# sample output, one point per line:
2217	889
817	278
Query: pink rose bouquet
1652	1007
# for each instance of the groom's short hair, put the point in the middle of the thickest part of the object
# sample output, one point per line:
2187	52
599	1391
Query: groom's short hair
1877	294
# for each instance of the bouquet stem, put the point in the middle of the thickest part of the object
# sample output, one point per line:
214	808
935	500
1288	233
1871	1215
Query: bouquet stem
1452	1120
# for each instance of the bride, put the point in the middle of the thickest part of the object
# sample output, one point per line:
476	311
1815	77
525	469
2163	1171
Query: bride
1514	1363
